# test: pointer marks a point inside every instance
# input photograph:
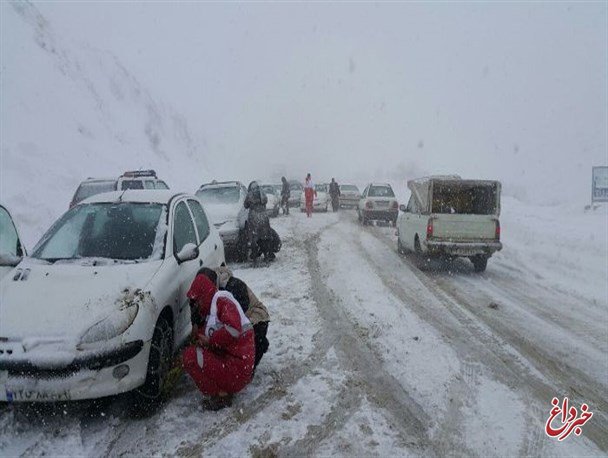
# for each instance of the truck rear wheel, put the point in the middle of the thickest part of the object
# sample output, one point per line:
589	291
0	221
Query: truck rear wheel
400	247
480	262
417	247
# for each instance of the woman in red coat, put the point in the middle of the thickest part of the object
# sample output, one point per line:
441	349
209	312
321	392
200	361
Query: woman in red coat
309	194
221	363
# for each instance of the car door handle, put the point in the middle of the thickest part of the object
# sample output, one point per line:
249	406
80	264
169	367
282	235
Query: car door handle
200	262
216	246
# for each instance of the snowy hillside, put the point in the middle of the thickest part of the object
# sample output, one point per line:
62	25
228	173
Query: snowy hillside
70	111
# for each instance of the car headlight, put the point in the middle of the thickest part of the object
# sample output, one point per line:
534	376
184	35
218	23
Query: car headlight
113	325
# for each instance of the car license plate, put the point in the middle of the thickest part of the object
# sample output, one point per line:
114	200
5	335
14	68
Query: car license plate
382	203
35	395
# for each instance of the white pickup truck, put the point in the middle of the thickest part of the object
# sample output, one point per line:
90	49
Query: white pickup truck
449	216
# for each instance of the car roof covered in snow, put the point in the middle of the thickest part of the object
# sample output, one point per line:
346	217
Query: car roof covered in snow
161	196
92	179
221	184
386	185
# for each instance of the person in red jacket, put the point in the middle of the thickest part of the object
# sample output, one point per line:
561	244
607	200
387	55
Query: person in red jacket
309	195
221	362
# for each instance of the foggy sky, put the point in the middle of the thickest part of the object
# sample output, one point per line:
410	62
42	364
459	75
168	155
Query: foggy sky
512	91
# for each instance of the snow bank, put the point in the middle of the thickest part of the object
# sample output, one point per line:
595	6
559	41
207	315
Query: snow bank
70	112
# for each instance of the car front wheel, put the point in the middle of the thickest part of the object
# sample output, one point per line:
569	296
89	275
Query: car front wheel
149	395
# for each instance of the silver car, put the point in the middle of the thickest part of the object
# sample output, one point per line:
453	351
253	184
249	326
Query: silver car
224	204
274	199
349	195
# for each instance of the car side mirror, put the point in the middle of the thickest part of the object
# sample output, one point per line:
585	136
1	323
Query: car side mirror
187	253
9	260
403	208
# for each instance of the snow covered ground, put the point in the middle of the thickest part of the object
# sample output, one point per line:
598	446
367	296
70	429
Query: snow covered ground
377	354
72	111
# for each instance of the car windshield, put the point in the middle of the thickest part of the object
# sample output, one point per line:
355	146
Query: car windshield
380	191
321	187
121	231
295	186
222	195
92	188
9	241
268	189
349	188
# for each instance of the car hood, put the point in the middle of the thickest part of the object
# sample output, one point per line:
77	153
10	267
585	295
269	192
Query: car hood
272	200
220	213
65	299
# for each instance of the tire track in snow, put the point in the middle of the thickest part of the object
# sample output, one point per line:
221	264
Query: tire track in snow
382	389
501	350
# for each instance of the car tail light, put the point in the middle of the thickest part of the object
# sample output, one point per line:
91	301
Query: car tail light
497	234
395	204
369	204
429	228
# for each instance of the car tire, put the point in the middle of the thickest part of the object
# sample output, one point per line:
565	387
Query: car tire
150	394
480	262
417	247
241	246
400	247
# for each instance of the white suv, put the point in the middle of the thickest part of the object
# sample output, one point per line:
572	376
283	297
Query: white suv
140	179
100	307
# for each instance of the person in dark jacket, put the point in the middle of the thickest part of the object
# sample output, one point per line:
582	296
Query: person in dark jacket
254	309
285	195
258	224
334	193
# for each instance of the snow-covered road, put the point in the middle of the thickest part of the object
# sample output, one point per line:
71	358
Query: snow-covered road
373	353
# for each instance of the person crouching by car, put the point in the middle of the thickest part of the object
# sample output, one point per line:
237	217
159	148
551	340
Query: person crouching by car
255	311
222	358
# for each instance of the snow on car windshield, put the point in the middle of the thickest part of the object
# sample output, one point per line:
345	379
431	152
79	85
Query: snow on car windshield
223	195
380	191
125	231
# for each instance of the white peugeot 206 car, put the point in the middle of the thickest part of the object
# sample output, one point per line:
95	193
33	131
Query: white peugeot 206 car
100	307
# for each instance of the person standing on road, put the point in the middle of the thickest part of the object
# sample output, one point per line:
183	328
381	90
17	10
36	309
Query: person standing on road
309	194
285	195
254	309
222	359
334	193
